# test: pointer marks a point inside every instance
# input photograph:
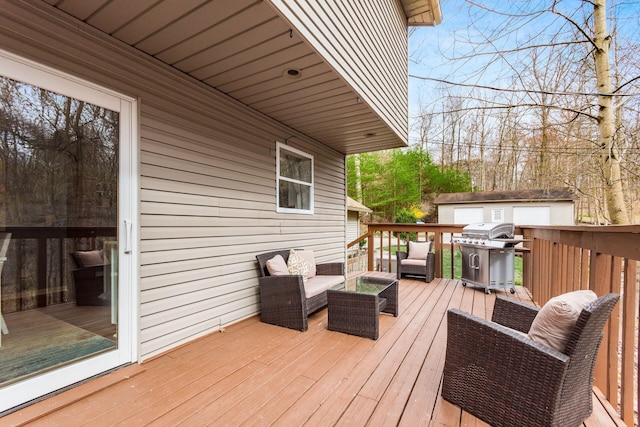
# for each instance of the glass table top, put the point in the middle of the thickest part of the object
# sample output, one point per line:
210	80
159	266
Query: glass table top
365	285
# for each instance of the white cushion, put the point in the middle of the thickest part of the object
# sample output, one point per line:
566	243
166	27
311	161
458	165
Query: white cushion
419	250
416	262
308	256
555	321
297	265
321	283
276	266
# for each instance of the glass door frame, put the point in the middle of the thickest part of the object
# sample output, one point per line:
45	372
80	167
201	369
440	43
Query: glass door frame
27	71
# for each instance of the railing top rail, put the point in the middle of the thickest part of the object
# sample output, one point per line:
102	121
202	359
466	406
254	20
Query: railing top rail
446	228
358	240
633	229
58	232
586	228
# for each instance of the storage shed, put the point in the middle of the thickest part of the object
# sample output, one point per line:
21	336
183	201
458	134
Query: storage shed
355	211
522	207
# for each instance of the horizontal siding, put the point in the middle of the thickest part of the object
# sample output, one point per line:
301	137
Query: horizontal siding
365	41
207	181
211	240
352	226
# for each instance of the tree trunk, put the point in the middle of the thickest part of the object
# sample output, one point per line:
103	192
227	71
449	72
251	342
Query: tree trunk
358	178
606	118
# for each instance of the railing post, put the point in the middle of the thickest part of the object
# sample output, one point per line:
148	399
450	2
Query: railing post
437	243
370	249
628	348
600	283
41	295
527	261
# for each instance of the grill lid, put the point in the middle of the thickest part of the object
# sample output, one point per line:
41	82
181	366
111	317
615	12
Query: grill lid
489	230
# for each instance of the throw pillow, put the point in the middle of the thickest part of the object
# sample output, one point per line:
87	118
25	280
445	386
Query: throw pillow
277	267
419	250
297	265
308	256
554	322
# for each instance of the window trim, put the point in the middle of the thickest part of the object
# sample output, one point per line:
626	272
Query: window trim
282	146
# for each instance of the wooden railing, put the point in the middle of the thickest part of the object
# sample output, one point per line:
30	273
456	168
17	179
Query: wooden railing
33	271
557	260
603	259
382	241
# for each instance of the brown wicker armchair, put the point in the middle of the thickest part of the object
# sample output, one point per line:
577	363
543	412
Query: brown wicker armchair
506	379
405	266
283	299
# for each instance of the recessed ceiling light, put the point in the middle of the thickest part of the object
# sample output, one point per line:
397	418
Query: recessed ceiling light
292	73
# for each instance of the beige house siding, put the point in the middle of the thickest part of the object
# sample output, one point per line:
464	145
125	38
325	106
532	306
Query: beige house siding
370	53
207	208
207	181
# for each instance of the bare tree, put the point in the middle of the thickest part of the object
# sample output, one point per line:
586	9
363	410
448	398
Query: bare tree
553	59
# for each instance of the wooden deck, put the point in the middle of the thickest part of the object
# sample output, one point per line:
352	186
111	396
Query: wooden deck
259	374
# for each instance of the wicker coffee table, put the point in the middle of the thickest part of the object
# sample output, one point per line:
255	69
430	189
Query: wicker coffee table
354	307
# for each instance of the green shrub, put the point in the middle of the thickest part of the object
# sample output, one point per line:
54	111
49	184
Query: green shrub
405	217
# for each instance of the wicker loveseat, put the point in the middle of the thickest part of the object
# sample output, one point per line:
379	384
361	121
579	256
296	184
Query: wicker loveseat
286	300
497	372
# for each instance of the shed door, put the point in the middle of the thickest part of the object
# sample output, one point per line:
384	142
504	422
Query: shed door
467	215
532	215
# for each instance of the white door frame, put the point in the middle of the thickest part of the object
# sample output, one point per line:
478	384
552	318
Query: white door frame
21	69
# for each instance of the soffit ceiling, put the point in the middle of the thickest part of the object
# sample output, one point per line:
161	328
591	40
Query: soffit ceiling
422	12
243	49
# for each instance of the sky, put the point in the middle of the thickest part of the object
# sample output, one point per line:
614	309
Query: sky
465	31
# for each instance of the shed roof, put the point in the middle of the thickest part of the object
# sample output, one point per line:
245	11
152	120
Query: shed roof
353	205
553	194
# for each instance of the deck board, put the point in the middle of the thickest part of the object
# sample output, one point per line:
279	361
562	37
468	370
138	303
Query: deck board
256	374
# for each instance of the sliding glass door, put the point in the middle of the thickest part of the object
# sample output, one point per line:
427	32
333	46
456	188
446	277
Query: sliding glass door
65	219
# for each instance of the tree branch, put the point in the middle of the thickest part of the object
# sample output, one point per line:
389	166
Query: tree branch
433	79
574	23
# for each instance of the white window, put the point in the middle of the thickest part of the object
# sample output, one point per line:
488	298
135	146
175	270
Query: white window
294	170
497	215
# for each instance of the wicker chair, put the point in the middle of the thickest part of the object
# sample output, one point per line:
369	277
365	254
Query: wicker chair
506	379
424	269
88	277
282	298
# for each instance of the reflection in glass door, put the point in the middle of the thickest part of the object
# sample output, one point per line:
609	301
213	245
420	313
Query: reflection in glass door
58	230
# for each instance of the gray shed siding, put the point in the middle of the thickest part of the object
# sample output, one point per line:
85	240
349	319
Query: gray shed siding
353	226
207	181
562	212
369	53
